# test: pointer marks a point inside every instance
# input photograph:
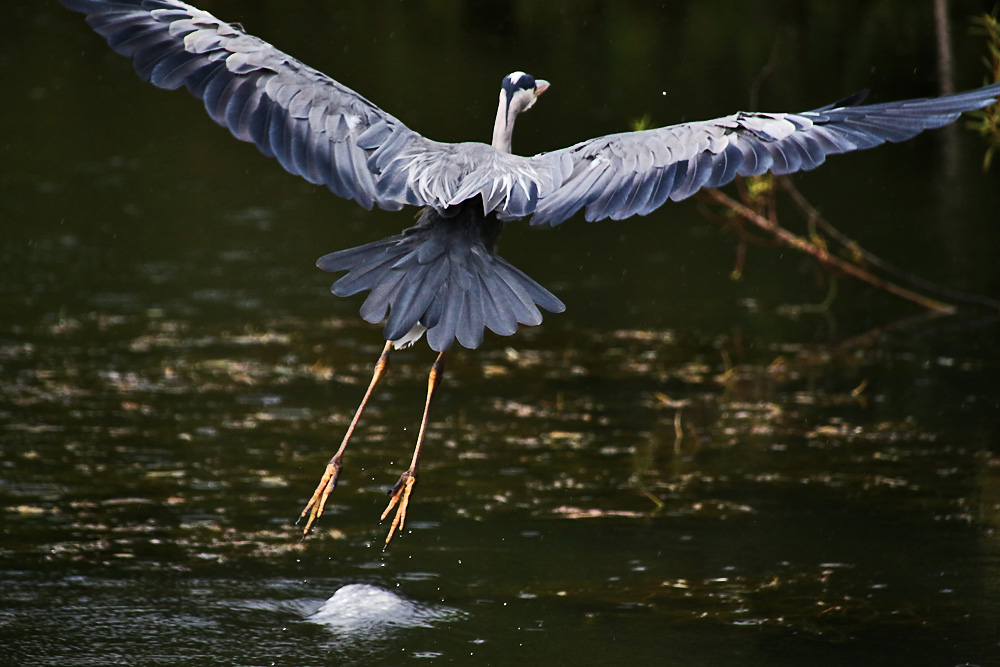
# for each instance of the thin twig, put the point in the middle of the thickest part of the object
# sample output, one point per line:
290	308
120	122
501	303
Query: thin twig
821	254
816	218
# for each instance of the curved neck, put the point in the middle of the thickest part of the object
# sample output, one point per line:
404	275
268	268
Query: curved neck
503	126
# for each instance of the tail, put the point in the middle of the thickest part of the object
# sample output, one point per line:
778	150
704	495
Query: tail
441	274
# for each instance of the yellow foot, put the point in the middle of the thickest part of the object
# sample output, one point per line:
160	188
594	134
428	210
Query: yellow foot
400	493
314	508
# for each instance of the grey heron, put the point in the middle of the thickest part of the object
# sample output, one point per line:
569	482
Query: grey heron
441	279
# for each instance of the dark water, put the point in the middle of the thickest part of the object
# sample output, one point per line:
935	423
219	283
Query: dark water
175	373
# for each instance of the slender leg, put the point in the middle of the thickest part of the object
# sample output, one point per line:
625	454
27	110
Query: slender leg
402	489
318	501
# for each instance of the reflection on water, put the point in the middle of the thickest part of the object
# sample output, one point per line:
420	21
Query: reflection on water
676	471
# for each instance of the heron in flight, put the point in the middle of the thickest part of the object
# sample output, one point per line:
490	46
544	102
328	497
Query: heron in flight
441	279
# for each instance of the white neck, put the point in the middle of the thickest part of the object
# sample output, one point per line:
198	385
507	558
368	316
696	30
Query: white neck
503	126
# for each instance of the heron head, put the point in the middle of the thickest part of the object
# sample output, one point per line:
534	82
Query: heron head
521	90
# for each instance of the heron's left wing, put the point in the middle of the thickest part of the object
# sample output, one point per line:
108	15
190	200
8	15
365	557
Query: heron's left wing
316	127
633	173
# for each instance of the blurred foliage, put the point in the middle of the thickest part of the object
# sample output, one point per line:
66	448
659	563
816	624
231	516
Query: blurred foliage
988	120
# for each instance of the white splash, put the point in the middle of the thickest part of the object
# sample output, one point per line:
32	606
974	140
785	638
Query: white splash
361	607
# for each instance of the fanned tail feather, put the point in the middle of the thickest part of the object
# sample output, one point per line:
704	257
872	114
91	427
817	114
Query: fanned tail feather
443	275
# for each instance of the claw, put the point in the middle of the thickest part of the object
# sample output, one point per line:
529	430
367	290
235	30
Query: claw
400	493
314	508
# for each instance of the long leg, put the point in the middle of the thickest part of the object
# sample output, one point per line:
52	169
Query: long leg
329	480
402	489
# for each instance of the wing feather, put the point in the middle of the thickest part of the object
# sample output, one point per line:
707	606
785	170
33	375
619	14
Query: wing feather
712	153
267	97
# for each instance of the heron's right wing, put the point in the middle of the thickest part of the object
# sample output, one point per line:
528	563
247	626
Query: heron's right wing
316	127
633	173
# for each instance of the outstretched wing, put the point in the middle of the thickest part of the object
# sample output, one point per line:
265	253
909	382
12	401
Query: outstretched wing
316	127
327	133
633	173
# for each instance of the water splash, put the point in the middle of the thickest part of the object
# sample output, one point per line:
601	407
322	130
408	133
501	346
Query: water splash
363	610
